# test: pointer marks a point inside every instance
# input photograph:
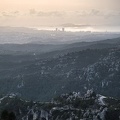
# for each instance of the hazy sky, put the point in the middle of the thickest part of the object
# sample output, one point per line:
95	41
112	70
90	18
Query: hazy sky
54	12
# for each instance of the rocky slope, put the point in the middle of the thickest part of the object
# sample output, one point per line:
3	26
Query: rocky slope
72	106
47	77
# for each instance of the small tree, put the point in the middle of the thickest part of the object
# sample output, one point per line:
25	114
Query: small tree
4	115
12	116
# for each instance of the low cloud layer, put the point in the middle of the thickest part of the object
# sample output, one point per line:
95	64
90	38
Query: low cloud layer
36	17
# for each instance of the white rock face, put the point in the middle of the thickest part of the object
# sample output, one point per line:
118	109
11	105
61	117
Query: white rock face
101	100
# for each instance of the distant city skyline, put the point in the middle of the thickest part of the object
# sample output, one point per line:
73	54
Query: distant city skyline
35	13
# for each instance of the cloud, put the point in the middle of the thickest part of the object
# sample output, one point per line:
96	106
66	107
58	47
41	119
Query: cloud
92	12
5	14
52	14
32	11
46	14
95	12
10	14
112	14
16	12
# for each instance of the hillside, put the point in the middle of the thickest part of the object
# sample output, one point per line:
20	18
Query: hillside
74	67
72	106
77	71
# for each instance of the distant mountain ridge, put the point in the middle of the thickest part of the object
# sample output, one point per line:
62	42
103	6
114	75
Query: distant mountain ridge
61	48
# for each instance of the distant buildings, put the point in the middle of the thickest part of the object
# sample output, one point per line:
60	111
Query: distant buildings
63	29
58	29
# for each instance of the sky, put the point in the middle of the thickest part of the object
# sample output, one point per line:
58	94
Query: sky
35	13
